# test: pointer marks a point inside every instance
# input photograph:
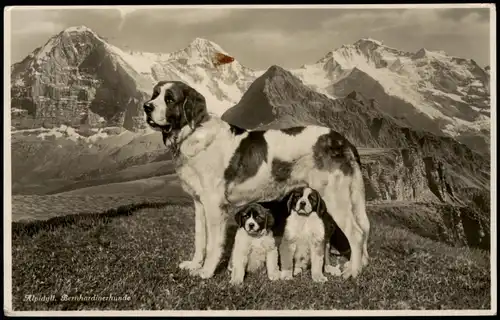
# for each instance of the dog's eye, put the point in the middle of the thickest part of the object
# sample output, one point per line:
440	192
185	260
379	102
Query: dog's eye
169	97
169	100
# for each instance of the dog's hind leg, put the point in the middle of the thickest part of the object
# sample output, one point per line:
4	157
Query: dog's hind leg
338	204
216	217
358	202
200	240
329	268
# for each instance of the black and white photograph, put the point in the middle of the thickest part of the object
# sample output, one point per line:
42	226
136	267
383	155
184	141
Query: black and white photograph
250	160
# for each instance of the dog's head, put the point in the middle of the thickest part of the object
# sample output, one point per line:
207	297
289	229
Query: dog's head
174	105
305	200
255	219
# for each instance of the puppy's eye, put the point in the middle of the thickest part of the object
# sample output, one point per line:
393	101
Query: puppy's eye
313	196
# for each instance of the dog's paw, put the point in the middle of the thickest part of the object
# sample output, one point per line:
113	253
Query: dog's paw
349	271
333	270
286	275
191	265
364	261
297	271
319	277
236	280
274	276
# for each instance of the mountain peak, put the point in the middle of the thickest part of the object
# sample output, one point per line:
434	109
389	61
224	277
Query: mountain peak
368	41
275	70
81	28
205	46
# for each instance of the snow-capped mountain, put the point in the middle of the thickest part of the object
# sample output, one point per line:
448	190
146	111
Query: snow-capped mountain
78	77
426	89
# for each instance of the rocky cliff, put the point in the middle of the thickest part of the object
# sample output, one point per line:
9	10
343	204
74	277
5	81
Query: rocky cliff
399	163
77	79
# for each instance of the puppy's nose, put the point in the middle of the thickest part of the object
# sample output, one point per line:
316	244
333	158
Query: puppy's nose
302	204
148	107
251	225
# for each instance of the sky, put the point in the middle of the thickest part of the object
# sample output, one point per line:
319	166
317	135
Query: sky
259	38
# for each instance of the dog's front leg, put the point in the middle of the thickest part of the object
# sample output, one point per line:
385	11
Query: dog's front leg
239	258
216	235
200	240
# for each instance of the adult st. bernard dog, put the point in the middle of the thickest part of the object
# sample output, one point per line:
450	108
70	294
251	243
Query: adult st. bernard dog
222	166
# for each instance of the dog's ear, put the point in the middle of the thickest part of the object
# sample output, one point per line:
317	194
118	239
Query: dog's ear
291	198
269	220
194	106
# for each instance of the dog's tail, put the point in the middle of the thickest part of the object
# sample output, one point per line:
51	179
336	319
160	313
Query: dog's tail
357	190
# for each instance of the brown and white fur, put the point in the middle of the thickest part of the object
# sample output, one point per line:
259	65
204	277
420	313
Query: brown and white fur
254	244
221	165
307	235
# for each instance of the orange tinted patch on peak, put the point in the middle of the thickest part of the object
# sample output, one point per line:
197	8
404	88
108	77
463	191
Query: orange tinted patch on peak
220	59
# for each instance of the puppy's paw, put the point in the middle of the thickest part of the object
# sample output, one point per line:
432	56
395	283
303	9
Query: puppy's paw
334	251
297	271
191	265
319	277
286	275
333	270
205	273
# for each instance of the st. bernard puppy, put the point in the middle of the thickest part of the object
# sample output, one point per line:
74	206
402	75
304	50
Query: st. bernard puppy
307	235
223	166
254	244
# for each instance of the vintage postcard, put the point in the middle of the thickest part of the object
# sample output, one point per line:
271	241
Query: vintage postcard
250	160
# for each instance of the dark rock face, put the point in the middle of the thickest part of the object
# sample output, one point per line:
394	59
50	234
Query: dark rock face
75	79
402	164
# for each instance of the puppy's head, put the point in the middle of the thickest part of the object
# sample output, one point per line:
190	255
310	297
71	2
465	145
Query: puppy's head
304	201
255	219
174	105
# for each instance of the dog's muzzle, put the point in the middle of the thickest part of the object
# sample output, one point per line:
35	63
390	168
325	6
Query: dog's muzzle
302	212
148	109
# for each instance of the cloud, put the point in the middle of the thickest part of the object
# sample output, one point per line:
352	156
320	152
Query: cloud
182	16
425	21
124	11
30	22
288	37
43	27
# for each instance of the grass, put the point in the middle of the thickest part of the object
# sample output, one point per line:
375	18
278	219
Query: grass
136	253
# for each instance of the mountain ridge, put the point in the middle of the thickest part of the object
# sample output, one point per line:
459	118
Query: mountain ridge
428	79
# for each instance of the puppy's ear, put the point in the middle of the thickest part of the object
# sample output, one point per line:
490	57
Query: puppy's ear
321	206
269	220
238	217
195	108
